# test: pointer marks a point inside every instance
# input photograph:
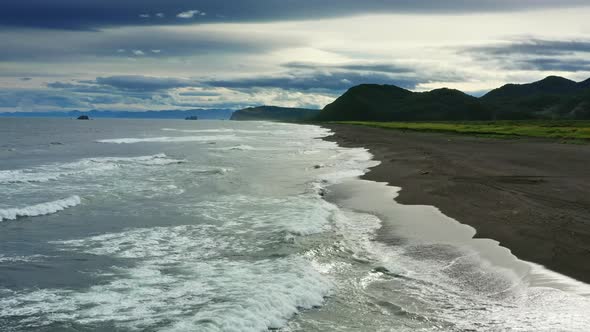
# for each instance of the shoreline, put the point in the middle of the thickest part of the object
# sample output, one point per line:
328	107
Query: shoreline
530	195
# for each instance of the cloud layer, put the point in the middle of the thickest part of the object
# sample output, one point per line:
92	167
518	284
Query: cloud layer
93	14
168	55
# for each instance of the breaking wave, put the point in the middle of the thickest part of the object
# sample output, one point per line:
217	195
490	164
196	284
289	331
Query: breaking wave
240	147
39	209
169	139
51	172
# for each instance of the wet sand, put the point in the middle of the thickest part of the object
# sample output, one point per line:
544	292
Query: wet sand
531	195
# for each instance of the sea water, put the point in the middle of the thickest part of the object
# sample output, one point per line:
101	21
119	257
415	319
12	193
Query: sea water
153	225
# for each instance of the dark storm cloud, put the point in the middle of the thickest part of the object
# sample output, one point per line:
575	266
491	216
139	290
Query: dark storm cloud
535	54
531	47
136	87
369	67
317	81
92	14
339	77
203	93
300	77
145	83
544	64
28	98
149	42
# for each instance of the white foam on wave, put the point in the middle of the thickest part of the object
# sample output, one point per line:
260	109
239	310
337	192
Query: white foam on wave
231	130
207	277
240	147
212	170
297	215
39	209
89	166
20	258
217	130
16	176
152	160
342	166
169	139
543	277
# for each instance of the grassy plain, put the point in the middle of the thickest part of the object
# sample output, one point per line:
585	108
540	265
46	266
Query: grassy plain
561	129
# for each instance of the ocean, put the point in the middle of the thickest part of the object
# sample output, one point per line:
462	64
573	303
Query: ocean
166	225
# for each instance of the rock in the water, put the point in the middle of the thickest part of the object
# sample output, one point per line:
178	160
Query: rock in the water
83	117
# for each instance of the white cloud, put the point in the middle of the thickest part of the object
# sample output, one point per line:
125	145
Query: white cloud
144	15
156	51
138	52
191	14
160	15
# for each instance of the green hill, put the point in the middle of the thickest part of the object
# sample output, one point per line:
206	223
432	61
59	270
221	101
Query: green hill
274	113
370	102
551	98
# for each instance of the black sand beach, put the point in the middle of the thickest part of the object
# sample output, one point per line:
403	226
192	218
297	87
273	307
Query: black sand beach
531	195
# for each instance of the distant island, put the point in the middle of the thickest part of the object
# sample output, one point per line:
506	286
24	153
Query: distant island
192	117
274	113
83	117
551	98
209	114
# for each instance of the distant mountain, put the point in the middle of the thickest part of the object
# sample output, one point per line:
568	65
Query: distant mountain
551	98
371	102
274	113
211	114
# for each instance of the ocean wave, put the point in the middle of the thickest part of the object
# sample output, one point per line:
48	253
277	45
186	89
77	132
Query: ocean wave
169	139
231	130
228	295
153	160
219	130
45	173
240	147
345	164
20	259
39	209
20	176
212	170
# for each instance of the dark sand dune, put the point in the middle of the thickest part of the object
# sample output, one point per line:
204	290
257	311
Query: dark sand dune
531	195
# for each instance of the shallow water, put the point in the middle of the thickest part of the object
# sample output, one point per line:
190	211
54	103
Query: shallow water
227	226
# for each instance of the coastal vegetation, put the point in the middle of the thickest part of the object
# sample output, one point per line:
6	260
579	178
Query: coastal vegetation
553	98
274	113
555	129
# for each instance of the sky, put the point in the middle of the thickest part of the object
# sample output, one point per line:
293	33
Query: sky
131	55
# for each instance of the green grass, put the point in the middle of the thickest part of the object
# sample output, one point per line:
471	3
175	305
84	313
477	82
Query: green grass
566	130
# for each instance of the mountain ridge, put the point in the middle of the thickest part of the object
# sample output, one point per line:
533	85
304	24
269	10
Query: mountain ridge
274	113
553	97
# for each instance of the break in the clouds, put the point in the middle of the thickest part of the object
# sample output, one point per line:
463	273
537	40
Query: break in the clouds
191	13
156	54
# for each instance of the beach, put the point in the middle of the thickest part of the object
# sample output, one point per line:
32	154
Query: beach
531	195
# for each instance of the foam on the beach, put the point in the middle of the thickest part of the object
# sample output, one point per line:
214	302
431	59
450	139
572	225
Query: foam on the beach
39	209
88	166
230	130
169	139
543	277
